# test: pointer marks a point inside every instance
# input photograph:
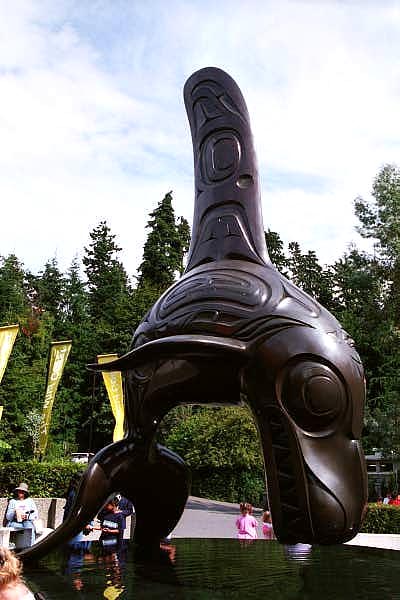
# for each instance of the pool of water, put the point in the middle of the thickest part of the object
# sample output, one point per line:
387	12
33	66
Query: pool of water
219	568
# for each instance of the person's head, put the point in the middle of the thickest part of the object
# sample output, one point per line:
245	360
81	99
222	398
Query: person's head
10	567
246	508
111	505
21	491
266	517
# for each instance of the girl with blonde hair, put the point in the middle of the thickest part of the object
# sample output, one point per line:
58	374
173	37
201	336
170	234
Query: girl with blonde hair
11	585
246	523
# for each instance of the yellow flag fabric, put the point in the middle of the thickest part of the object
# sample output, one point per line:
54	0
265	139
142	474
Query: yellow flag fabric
7	339
113	383
59	352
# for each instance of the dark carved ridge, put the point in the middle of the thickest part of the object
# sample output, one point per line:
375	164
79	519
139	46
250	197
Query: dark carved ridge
233	329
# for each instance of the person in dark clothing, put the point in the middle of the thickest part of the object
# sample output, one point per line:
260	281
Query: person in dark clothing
70	494
125	507
111	523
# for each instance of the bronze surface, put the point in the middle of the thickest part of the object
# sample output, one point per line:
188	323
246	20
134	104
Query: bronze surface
234	330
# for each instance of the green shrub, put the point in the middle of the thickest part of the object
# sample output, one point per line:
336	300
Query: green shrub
381	518
228	485
45	480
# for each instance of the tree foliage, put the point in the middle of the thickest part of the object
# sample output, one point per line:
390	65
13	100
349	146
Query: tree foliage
97	305
166	244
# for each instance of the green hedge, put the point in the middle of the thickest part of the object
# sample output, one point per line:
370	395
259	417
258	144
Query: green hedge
228	485
50	480
45	480
381	518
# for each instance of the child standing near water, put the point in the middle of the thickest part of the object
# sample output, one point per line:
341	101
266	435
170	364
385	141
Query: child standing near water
246	523
267	529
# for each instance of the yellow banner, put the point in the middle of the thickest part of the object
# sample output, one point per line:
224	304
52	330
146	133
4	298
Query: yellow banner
7	339
113	383
58	357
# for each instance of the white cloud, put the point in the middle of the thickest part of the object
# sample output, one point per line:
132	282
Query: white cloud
93	124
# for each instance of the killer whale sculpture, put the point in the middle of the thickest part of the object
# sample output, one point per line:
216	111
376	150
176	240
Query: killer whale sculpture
234	330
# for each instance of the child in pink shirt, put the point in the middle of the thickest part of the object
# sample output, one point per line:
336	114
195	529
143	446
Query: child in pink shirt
267	529
246	524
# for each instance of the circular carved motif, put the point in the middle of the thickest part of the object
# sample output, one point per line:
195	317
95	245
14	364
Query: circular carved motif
313	395
220	156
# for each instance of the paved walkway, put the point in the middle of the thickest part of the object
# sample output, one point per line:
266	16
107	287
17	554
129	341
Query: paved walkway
210	519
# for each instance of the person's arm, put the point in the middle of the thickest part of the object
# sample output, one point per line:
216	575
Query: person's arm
32	506
10	513
108	530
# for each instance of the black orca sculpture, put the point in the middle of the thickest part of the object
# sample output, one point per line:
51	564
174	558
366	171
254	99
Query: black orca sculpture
234	330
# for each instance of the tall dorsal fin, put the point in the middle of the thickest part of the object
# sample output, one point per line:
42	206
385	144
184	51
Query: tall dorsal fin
227	220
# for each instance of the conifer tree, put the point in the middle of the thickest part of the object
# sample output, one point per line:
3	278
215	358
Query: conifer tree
166	244
109	291
110	316
307	273
49	295
14	295
276	251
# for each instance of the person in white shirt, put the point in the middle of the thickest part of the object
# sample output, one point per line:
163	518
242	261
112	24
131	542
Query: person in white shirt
22	511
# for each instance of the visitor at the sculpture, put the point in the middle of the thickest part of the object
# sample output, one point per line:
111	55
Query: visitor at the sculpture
22	512
70	494
125	507
111	522
246	523
387	498
267	529
395	501
79	540
12	586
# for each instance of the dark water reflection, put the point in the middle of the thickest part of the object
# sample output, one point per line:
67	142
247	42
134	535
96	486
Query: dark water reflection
219	568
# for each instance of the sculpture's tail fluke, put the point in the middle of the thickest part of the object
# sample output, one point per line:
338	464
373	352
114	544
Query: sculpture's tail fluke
227	220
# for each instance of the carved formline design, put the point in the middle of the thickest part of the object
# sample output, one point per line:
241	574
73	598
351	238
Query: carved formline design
216	232
210	101
233	329
225	173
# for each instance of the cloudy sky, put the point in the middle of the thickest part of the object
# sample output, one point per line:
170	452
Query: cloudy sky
93	126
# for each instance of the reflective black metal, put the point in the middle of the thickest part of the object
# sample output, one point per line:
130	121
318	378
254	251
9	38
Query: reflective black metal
234	330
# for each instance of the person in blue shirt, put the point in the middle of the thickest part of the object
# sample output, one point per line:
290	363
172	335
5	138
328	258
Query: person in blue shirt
111	523
125	507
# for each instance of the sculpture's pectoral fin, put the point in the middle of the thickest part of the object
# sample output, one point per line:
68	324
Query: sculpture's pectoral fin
177	346
159	489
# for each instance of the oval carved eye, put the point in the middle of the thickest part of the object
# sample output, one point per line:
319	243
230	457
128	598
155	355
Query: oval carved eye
313	395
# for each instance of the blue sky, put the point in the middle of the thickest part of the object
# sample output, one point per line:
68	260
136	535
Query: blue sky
93	124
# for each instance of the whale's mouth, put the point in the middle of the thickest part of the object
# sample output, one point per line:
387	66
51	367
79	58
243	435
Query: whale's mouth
290	526
303	508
